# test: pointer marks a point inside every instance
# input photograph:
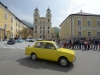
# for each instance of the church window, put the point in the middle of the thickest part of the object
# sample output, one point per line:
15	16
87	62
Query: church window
35	31
40	27
35	20
35	27
43	27
48	20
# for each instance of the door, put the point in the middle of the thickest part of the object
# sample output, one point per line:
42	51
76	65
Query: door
50	52
39	49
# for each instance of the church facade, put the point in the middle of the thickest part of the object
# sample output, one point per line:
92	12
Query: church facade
42	25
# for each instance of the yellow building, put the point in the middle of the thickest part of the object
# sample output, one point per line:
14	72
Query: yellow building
80	25
10	25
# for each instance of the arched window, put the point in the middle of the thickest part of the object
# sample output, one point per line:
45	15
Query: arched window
35	20
48	20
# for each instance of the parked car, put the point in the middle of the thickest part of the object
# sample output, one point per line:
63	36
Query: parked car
11	41
39	39
49	50
32	40
19	40
27	39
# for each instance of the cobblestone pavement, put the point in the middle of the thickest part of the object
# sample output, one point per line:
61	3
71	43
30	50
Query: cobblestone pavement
15	62
22	45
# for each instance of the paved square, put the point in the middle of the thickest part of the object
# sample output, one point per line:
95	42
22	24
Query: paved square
15	62
22	45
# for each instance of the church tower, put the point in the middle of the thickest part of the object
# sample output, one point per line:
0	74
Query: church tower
48	15
36	15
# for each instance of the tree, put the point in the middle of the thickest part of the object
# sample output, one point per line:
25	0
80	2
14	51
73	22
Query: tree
26	32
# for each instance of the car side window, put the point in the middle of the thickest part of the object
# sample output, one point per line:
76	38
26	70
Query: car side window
49	46
39	45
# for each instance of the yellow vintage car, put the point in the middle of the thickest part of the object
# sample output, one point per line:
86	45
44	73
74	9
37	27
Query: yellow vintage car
49	50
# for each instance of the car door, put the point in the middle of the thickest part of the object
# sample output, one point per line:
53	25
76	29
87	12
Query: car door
50	52
38	49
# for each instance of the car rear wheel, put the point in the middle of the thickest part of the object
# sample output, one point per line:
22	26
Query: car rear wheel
33	56
63	61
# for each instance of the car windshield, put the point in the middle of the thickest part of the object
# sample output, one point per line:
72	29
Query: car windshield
56	45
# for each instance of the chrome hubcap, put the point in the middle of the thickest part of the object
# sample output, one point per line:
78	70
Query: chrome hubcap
63	62
33	57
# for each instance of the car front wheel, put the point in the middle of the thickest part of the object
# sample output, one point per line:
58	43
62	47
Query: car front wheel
63	62
33	56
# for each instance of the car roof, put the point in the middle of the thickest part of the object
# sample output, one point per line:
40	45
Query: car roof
46	41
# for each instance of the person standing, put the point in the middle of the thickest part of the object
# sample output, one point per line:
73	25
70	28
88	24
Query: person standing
96	44
99	43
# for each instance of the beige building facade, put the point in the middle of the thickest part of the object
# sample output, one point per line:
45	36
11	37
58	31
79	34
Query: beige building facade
42	25
80	25
10	25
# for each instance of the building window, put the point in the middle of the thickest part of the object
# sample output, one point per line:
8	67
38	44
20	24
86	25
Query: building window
40	31
43	31
5	15
40	27
5	25
35	31
79	22
35	20
11	35
98	33
43	27
19	25
48	31
98	23
16	23
48	27
11	19
11	28
79	34
35	27
16	30
48	20
89	33
89	23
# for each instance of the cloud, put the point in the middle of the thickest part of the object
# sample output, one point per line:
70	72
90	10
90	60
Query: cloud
89	6
21	15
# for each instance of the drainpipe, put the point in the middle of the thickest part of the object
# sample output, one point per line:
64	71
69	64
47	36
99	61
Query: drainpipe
71	26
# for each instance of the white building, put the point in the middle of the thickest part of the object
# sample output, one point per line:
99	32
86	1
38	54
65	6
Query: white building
42	25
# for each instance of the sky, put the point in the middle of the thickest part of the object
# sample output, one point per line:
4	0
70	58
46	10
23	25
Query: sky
60	9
